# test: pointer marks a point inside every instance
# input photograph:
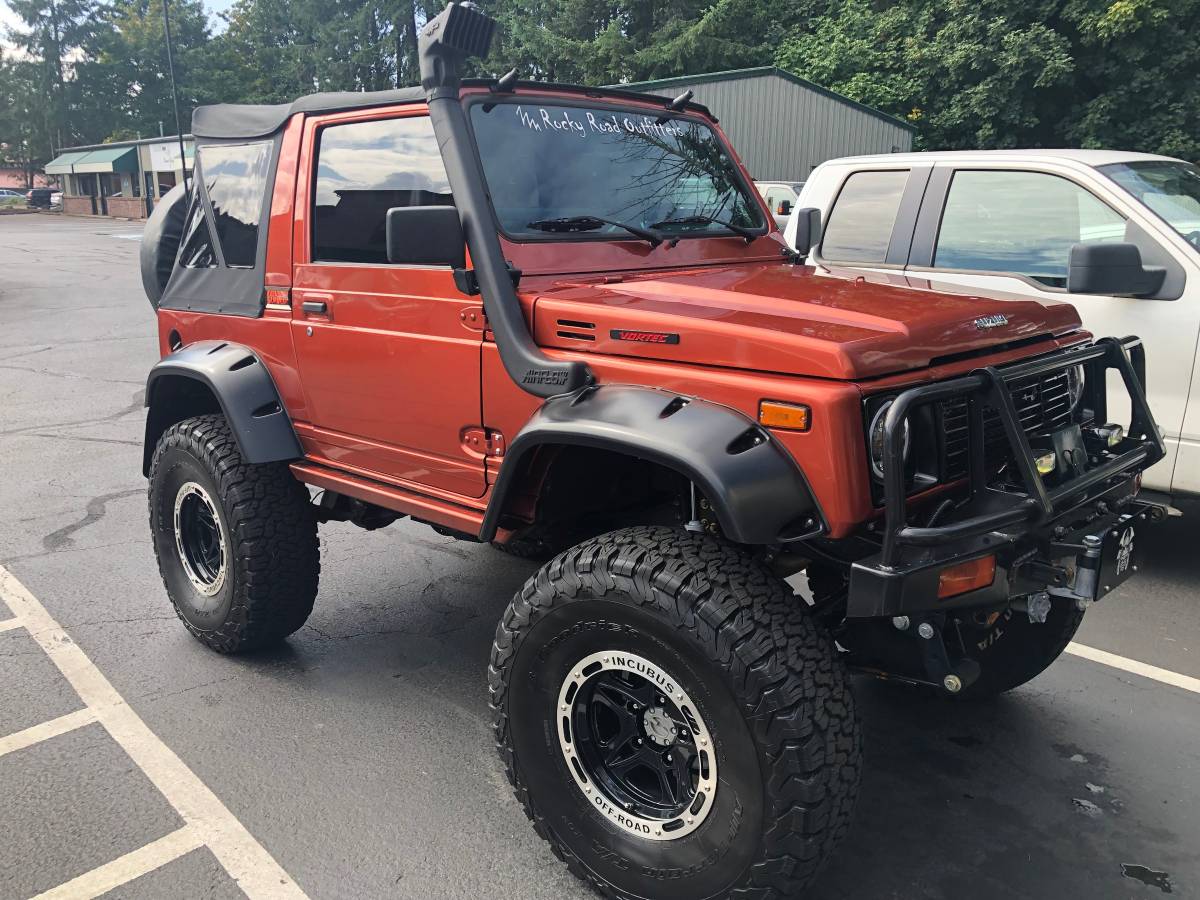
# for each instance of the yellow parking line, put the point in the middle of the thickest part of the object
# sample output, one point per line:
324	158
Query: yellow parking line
125	868
46	730
1165	676
244	858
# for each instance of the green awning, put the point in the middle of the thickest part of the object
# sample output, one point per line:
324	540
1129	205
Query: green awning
61	164
108	159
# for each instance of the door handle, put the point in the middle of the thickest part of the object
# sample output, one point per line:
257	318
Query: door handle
319	307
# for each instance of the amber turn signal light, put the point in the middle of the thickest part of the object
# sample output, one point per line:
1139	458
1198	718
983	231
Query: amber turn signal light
968	576
794	416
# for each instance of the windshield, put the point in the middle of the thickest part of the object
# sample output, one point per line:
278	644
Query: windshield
571	172
1168	188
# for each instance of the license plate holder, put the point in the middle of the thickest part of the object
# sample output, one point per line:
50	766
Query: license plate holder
1120	556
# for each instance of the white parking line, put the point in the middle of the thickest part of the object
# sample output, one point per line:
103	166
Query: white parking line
1187	682
125	868
10	624
46	730
243	857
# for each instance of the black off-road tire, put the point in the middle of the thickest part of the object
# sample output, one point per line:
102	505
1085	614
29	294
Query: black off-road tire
1012	650
269	530
765	678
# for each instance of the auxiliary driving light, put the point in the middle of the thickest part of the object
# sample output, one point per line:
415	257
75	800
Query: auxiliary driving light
1046	463
1110	434
968	576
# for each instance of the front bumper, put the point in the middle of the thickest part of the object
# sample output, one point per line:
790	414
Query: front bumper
1043	539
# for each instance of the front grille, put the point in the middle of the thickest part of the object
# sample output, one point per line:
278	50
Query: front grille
1043	405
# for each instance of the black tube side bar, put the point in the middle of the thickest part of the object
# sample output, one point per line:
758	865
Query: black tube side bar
990	386
446	41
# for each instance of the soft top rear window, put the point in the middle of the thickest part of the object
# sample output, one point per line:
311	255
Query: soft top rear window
235	179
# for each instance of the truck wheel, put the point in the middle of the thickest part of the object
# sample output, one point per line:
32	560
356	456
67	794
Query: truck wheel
1011	650
236	543
672	723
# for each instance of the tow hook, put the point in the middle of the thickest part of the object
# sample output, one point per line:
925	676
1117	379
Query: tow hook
952	677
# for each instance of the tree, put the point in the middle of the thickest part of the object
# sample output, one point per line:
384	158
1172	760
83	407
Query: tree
123	82
594	42
968	74
994	73
52	30
23	140
1138	84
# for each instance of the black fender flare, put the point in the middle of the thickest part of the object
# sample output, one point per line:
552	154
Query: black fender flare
243	388
758	492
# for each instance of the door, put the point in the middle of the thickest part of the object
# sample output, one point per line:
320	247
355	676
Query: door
389	355
1012	229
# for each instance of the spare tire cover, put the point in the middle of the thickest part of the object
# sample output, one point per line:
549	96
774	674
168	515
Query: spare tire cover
160	242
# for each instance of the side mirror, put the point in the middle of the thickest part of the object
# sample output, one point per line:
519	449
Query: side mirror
784	208
1112	269
426	236
808	229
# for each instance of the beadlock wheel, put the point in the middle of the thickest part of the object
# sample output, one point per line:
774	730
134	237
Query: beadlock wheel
636	745
200	539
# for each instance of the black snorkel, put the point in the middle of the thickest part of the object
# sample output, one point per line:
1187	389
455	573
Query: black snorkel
446	41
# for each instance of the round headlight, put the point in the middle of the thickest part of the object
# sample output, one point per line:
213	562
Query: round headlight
1075	385
877	435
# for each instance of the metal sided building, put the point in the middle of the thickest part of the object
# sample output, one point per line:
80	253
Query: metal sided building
783	126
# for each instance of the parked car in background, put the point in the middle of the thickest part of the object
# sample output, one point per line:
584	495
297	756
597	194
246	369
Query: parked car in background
10	197
780	197
41	198
1024	221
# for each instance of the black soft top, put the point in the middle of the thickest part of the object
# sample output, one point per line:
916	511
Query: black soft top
227	121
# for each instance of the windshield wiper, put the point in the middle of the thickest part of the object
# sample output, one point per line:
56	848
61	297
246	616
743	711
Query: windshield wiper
591	223
745	232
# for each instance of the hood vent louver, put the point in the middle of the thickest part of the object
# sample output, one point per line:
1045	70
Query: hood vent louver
576	330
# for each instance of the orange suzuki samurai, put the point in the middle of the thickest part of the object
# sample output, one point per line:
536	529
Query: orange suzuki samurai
560	319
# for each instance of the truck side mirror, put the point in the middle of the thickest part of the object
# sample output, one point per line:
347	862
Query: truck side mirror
808	229
783	208
1112	269
426	236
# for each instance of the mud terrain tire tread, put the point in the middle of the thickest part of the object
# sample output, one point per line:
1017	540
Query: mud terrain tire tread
782	666
275	551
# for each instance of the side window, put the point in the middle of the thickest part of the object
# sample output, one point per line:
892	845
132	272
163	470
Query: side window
235	179
363	170
860	224
1020	222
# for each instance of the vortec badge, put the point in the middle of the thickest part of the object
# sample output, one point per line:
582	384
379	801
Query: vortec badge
643	337
983	323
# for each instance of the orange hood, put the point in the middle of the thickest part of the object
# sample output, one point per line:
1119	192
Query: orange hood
786	319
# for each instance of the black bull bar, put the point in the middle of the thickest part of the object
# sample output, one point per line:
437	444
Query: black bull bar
990	387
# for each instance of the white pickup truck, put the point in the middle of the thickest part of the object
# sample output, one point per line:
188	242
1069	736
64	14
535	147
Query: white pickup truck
1013	221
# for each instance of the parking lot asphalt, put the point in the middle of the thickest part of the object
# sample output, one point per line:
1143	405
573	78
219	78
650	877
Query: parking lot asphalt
357	760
